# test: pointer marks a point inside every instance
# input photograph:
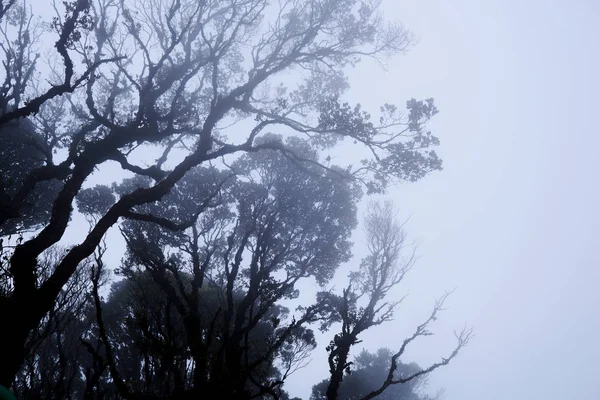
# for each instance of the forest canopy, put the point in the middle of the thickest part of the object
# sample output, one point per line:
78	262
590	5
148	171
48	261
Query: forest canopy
220	119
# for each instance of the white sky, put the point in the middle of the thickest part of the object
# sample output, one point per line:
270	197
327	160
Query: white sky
512	220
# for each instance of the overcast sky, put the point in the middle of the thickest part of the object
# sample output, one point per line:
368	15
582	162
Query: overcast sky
512	221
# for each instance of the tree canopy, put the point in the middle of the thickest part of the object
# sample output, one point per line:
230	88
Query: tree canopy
221	117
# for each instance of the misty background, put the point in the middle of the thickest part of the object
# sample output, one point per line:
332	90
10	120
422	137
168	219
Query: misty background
512	220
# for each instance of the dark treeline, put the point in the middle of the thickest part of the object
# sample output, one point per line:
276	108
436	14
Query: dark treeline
222	116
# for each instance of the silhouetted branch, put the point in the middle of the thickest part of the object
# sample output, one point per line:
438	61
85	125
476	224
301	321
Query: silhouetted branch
68	85
120	384
462	338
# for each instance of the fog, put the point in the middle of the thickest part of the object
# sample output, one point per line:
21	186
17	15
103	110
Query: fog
510	223
512	220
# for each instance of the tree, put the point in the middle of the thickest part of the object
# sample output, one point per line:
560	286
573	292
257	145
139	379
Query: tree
246	239
364	303
368	373
182	323
22	151
53	354
22	34
153	356
172	77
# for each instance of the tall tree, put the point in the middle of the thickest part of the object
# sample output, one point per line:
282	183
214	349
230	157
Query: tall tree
168	77
247	238
365	303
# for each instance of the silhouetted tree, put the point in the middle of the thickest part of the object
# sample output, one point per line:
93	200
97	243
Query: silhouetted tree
369	371
152	355
21	152
365	303
21	31
169	77
288	223
54	355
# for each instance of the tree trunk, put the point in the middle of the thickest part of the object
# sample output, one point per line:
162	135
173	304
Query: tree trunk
13	335
338	374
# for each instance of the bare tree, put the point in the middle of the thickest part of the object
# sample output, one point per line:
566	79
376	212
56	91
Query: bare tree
172	75
365	304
